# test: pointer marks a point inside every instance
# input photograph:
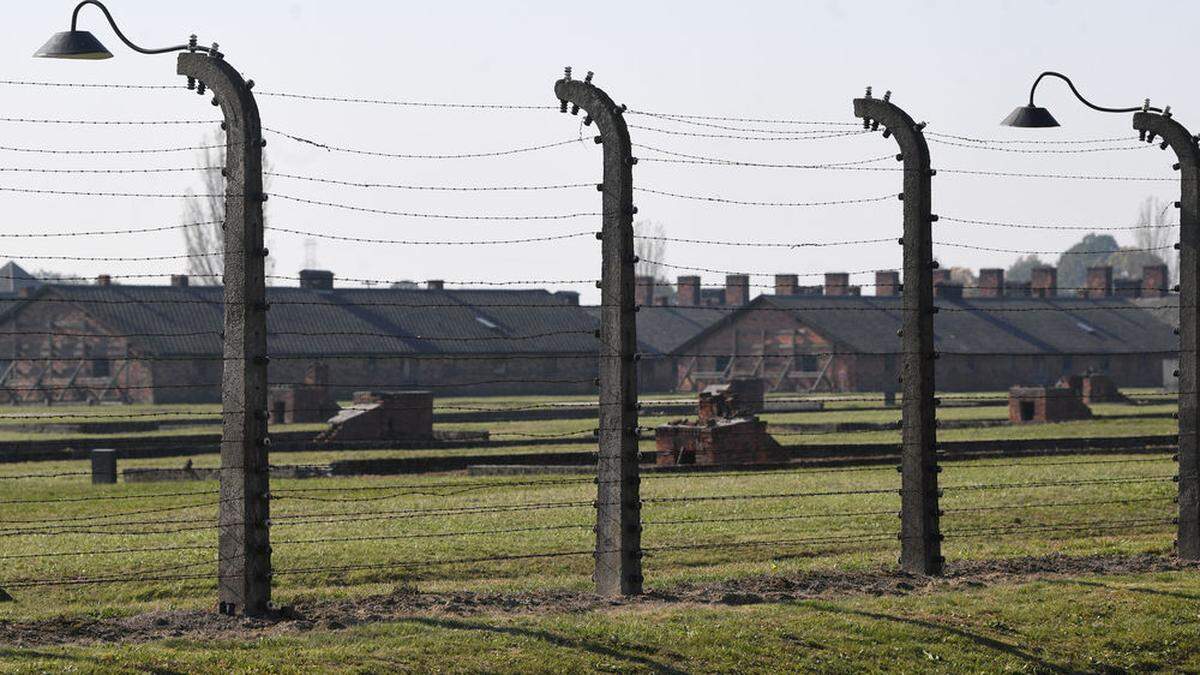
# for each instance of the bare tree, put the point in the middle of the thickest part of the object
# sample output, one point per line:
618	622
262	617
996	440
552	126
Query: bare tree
207	209
651	250
1156	232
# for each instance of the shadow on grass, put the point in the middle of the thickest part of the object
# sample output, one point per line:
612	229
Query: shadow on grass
552	639
982	640
17	656
1132	589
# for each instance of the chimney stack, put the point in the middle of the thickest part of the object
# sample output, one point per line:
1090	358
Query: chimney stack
568	297
644	291
1154	281
104	280
1043	282
435	285
787	284
687	293
887	283
179	280
1099	282
991	283
316	280
837	283
737	290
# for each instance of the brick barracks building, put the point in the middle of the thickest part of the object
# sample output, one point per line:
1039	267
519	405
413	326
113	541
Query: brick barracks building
161	344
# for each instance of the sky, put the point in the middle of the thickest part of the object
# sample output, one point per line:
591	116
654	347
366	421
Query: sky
959	66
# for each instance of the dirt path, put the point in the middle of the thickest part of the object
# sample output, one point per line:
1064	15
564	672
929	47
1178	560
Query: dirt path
338	614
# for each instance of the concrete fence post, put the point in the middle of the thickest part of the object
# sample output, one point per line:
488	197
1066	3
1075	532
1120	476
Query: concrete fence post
618	554
104	466
244	563
1173	134
920	534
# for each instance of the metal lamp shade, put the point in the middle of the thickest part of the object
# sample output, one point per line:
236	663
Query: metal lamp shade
1030	117
73	44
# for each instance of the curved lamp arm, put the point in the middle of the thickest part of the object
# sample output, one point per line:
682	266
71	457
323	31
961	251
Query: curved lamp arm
113	23
1093	106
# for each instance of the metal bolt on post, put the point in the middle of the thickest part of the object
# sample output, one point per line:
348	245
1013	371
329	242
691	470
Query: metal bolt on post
618	502
244	566
1175	136
920	534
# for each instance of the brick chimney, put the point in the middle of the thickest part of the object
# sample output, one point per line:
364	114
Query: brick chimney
316	280
435	285
568	297
1154	281
737	290
787	284
104	280
1043	282
991	283
940	276
837	283
179	280
1099	282
687	293
643	293
887	283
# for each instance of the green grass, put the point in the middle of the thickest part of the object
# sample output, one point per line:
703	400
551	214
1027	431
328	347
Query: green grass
1104	624
1133	622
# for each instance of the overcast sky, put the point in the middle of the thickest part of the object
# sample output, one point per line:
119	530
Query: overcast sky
960	66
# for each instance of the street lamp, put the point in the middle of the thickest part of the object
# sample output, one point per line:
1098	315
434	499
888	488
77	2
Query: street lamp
1153	123
80	44
244	561
1032	117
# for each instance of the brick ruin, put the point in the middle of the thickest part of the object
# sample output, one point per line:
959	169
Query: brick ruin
1034	405
384	416
727	431
1094	388
309	401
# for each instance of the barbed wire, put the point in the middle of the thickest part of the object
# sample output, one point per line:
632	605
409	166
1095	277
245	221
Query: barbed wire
435	188
432	242
32	120
435	216
185	169
813	135
110	232
849	164
744	202
117	151
1038	226
1052	151
329	147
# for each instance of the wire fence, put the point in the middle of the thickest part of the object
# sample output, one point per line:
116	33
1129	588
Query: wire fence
845	455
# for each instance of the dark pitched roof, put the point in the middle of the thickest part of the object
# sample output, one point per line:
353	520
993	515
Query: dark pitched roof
868	324
13	278
345	321
662	329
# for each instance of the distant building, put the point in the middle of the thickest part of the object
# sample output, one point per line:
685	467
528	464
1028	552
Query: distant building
162	344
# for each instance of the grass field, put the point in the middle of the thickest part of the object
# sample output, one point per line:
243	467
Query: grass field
151	548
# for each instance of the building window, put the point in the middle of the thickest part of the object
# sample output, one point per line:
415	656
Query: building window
101	367
809	363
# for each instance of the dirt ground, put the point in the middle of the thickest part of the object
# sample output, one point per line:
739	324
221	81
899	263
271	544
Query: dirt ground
407	602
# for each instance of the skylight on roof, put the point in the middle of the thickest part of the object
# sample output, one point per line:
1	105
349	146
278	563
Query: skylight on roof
487	323
1085	327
